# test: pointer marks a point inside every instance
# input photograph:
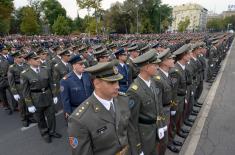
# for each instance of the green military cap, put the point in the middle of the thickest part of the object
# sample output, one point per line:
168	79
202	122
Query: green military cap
97	47
82	49
149	57
41	50
16	54
31	55
215	42
101	53
145	48
124	45
166	54
133	48
106	71
64	52
183	49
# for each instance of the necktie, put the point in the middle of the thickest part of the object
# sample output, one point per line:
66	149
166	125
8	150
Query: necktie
37	70
112	109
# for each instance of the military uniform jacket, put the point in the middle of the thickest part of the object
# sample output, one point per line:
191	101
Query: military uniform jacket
74	91
4	65
93	131
133	68
37	87
127	77
59	71
14	78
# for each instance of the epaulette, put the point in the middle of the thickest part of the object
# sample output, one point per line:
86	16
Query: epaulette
24	71
11	66
134	87
122	93
82	109
158	77
176	70
56	65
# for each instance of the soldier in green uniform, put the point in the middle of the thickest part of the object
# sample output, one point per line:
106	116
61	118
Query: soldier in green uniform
16	88
178	78
45	62
147	110
99	126
61	69
163	82
38	94
133	53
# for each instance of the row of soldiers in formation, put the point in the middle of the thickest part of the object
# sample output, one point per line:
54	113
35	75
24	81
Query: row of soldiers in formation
125	100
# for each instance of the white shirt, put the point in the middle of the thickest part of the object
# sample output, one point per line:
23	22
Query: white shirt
42	61
148	83
182	66
105	103
121	64
166	73
78	75
35	69
194	58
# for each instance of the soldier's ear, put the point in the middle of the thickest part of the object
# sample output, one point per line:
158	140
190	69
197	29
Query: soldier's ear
97	83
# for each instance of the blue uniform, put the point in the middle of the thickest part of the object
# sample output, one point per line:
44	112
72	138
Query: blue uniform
127	78
74	91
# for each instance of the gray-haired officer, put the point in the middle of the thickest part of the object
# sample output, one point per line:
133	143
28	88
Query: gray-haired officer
99	126
147	109
37	92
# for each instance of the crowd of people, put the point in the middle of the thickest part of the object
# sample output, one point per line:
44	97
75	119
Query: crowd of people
120	94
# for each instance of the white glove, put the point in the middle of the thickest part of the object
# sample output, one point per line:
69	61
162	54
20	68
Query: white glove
165	128
55	100
32	109
17	97
186	101
211	65
142	153
192	93
160	133
173	113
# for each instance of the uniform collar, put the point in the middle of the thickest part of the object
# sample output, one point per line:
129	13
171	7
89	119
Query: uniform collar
78	75
182	66
35	69
164	72
148	83
105	103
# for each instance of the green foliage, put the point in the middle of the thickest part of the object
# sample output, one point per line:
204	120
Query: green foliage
29	24
6	8
183	25
61	26
88	4
52	9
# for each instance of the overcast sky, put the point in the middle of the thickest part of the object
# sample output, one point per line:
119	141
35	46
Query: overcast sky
71	7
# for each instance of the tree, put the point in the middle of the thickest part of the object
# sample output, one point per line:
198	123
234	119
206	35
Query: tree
29	24
6	8
52	9
215	24
61	26
183	25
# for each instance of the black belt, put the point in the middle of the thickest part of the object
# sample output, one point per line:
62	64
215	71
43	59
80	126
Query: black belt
43	90
17	82
146	121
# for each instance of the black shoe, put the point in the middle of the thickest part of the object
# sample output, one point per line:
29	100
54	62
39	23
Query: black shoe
173	148
177	143
32	120
196	111
185	131
55	135
190	120
188	123
25	123
182	135
47	138
197	105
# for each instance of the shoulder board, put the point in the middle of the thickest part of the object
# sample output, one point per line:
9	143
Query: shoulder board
81	109
53	58
11	66
24	71
56	65
43	66
122	94
176	70
157	77
134	87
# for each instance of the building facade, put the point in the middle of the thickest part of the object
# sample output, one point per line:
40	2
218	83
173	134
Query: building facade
194	12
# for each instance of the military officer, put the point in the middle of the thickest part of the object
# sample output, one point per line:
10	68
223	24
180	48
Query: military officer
37	92
45	62
16	88
99	126
133	54
4	86
147	110
178	78
101	55
123	69
75	87
163	82
61	69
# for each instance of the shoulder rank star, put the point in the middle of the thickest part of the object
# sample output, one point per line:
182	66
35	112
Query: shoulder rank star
158	77
135	87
